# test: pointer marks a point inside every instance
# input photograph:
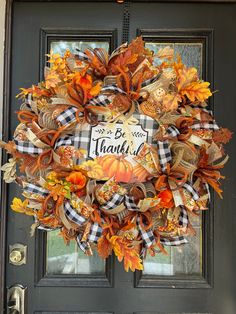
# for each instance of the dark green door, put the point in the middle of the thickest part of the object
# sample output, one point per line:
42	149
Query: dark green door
197	278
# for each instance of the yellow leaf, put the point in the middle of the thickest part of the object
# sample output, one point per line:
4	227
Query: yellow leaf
197	91
21	207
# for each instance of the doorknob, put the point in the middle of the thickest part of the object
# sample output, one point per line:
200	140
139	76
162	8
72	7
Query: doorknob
17	254
16	299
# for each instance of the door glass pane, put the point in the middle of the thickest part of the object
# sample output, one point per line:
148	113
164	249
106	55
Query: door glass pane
186	259
61	46
191	53
182	260
62	259
75	313
168	313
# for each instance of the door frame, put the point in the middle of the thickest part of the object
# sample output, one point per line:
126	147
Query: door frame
5	112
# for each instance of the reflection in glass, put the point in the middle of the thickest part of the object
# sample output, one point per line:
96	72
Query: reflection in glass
61	45
191	53
63	259
182	260
186	259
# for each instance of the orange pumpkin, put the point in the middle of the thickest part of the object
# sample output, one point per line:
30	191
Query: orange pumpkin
117	167
140	173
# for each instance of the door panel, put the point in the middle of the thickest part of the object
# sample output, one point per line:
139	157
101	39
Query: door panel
58	278
188	266
185	260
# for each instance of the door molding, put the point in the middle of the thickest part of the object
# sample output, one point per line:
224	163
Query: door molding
6	106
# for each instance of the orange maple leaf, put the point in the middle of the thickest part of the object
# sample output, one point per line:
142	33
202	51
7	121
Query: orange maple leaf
124	252
122	61
104	247
197	91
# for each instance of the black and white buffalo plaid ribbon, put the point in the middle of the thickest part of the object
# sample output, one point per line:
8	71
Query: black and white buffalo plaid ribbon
95	233
26	147
172	131
81	140
28	102
183	217
100	101
117	200
68	116
73	215
83	245
187	185
35	189
146	235
175	241
164	154
205	125
128	201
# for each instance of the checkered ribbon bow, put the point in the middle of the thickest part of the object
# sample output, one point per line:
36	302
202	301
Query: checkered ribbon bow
205	125
128	201
35	189
164	152
117	200
95	233
102	100
188	187
73	215
27	147
146	235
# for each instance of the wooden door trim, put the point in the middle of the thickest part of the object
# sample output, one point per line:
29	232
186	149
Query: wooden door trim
5	110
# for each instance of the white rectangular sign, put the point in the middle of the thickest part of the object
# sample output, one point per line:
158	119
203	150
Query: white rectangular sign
108	138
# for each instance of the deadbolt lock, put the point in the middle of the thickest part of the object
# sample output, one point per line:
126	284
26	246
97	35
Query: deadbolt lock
17	254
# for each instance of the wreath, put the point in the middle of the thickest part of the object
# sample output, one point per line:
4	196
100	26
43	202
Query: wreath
117	152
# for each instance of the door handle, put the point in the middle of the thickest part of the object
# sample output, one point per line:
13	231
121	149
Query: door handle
16	299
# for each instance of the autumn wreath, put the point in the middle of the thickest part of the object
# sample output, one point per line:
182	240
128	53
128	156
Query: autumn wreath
115	151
